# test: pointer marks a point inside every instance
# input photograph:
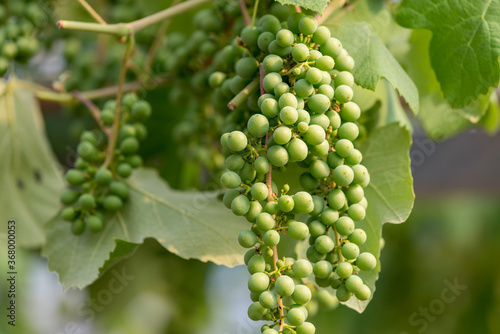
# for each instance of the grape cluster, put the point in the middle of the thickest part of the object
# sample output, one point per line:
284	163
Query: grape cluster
96	188
304	116
19	23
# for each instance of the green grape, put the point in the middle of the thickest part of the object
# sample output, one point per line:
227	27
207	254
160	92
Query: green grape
286	203
314	256
334	118
129	145
325	63
107	117
268	300
295	317
249	36
360	174
264	97
319	206
326	299
350	251
332	47
256	264
69	196
68	214
354	159
140	111
303	116
343	94
348	131
321	120
324	244
270	108
321	150
277	156
258	282
354	284
303	202
343	175
240	205
216	79
86	150
302	268
284	286
344	225
103	177
326	79
316	228
303	88
258	125
234	162
281	88
364	293
259	191
270	331
78	227
237	84
366	261
269	23
94	223
274	48
229	196
254	211
308	25
129	100
141	131
271	80
247	239
308	182
75	177
9	50
293	22
344	78
344	62
322	269
313	75
124	169
358	237
343	294
265	221
289	115
282	135
287	100
262	165
272	63
271	238
326	90
264	40
344	148
321	35
306	327
86	201
230	180
315	135
247	173
112	203
271	207
298	230
256	311
319	169
119	189
302	127
354	193
301	294
300	52
329	216
237	141
284	38
27	46
344	269
247	67
357	212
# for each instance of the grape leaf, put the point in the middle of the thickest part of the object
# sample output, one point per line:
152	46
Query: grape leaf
29	174
188	224
465	47
390	193
374	61
314	5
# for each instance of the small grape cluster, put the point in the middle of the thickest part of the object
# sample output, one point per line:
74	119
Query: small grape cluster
97	188
19	24
306	117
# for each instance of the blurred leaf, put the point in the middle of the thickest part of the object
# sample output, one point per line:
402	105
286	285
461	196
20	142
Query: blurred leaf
315	5
464	49
374	61
390	192
29	174
188	224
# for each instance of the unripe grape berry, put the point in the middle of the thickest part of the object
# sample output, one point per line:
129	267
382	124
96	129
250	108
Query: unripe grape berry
354	283
271	238
129	145
366	261
350	251
270	108
216	79
107	117
247	239
272	63
271	207
319	103
94	223
354	193
301	294
319	206
308	25
258	125
86	150
141	110
269	23
262	165
358	237
344	225
274	48
306	327
230	180
112	203
344	62
254	211
313	75
329	217
284	38
300	52
303	202
324	244
235	162
286	203
75	177
268	299
360	174
332	47
264	40
258	282
344	147
322	269
316	228
119	189
297	150
357	212
124	169
237	141
343	175
343	94
303	88
256	311
284	286
315	135
298	230
281	89
336	199
344	78
249	36
68	214
271	80
78	227
270	331
343	294
265	221
295	317
302	127
319	169
344	269
348	131
289	115
247	67
282	135
259	191
103	177
328	91
256	264
240	205
287	100
302	268
325	63
364	293
308	182
277	156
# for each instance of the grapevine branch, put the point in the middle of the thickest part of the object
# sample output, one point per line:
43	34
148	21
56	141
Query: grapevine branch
243	95
91	11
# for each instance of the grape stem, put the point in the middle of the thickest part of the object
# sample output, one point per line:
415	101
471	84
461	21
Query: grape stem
92	11
119	94
243	95
244	12
337	241
254	14
124	29
94	111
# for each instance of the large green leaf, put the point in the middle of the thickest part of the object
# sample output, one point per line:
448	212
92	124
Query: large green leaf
465	46
30	178
315	5
189	224
390	192
374	61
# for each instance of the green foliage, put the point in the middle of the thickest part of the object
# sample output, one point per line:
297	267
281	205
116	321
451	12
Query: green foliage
314	5
190	225
374	61
29	174
464	49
